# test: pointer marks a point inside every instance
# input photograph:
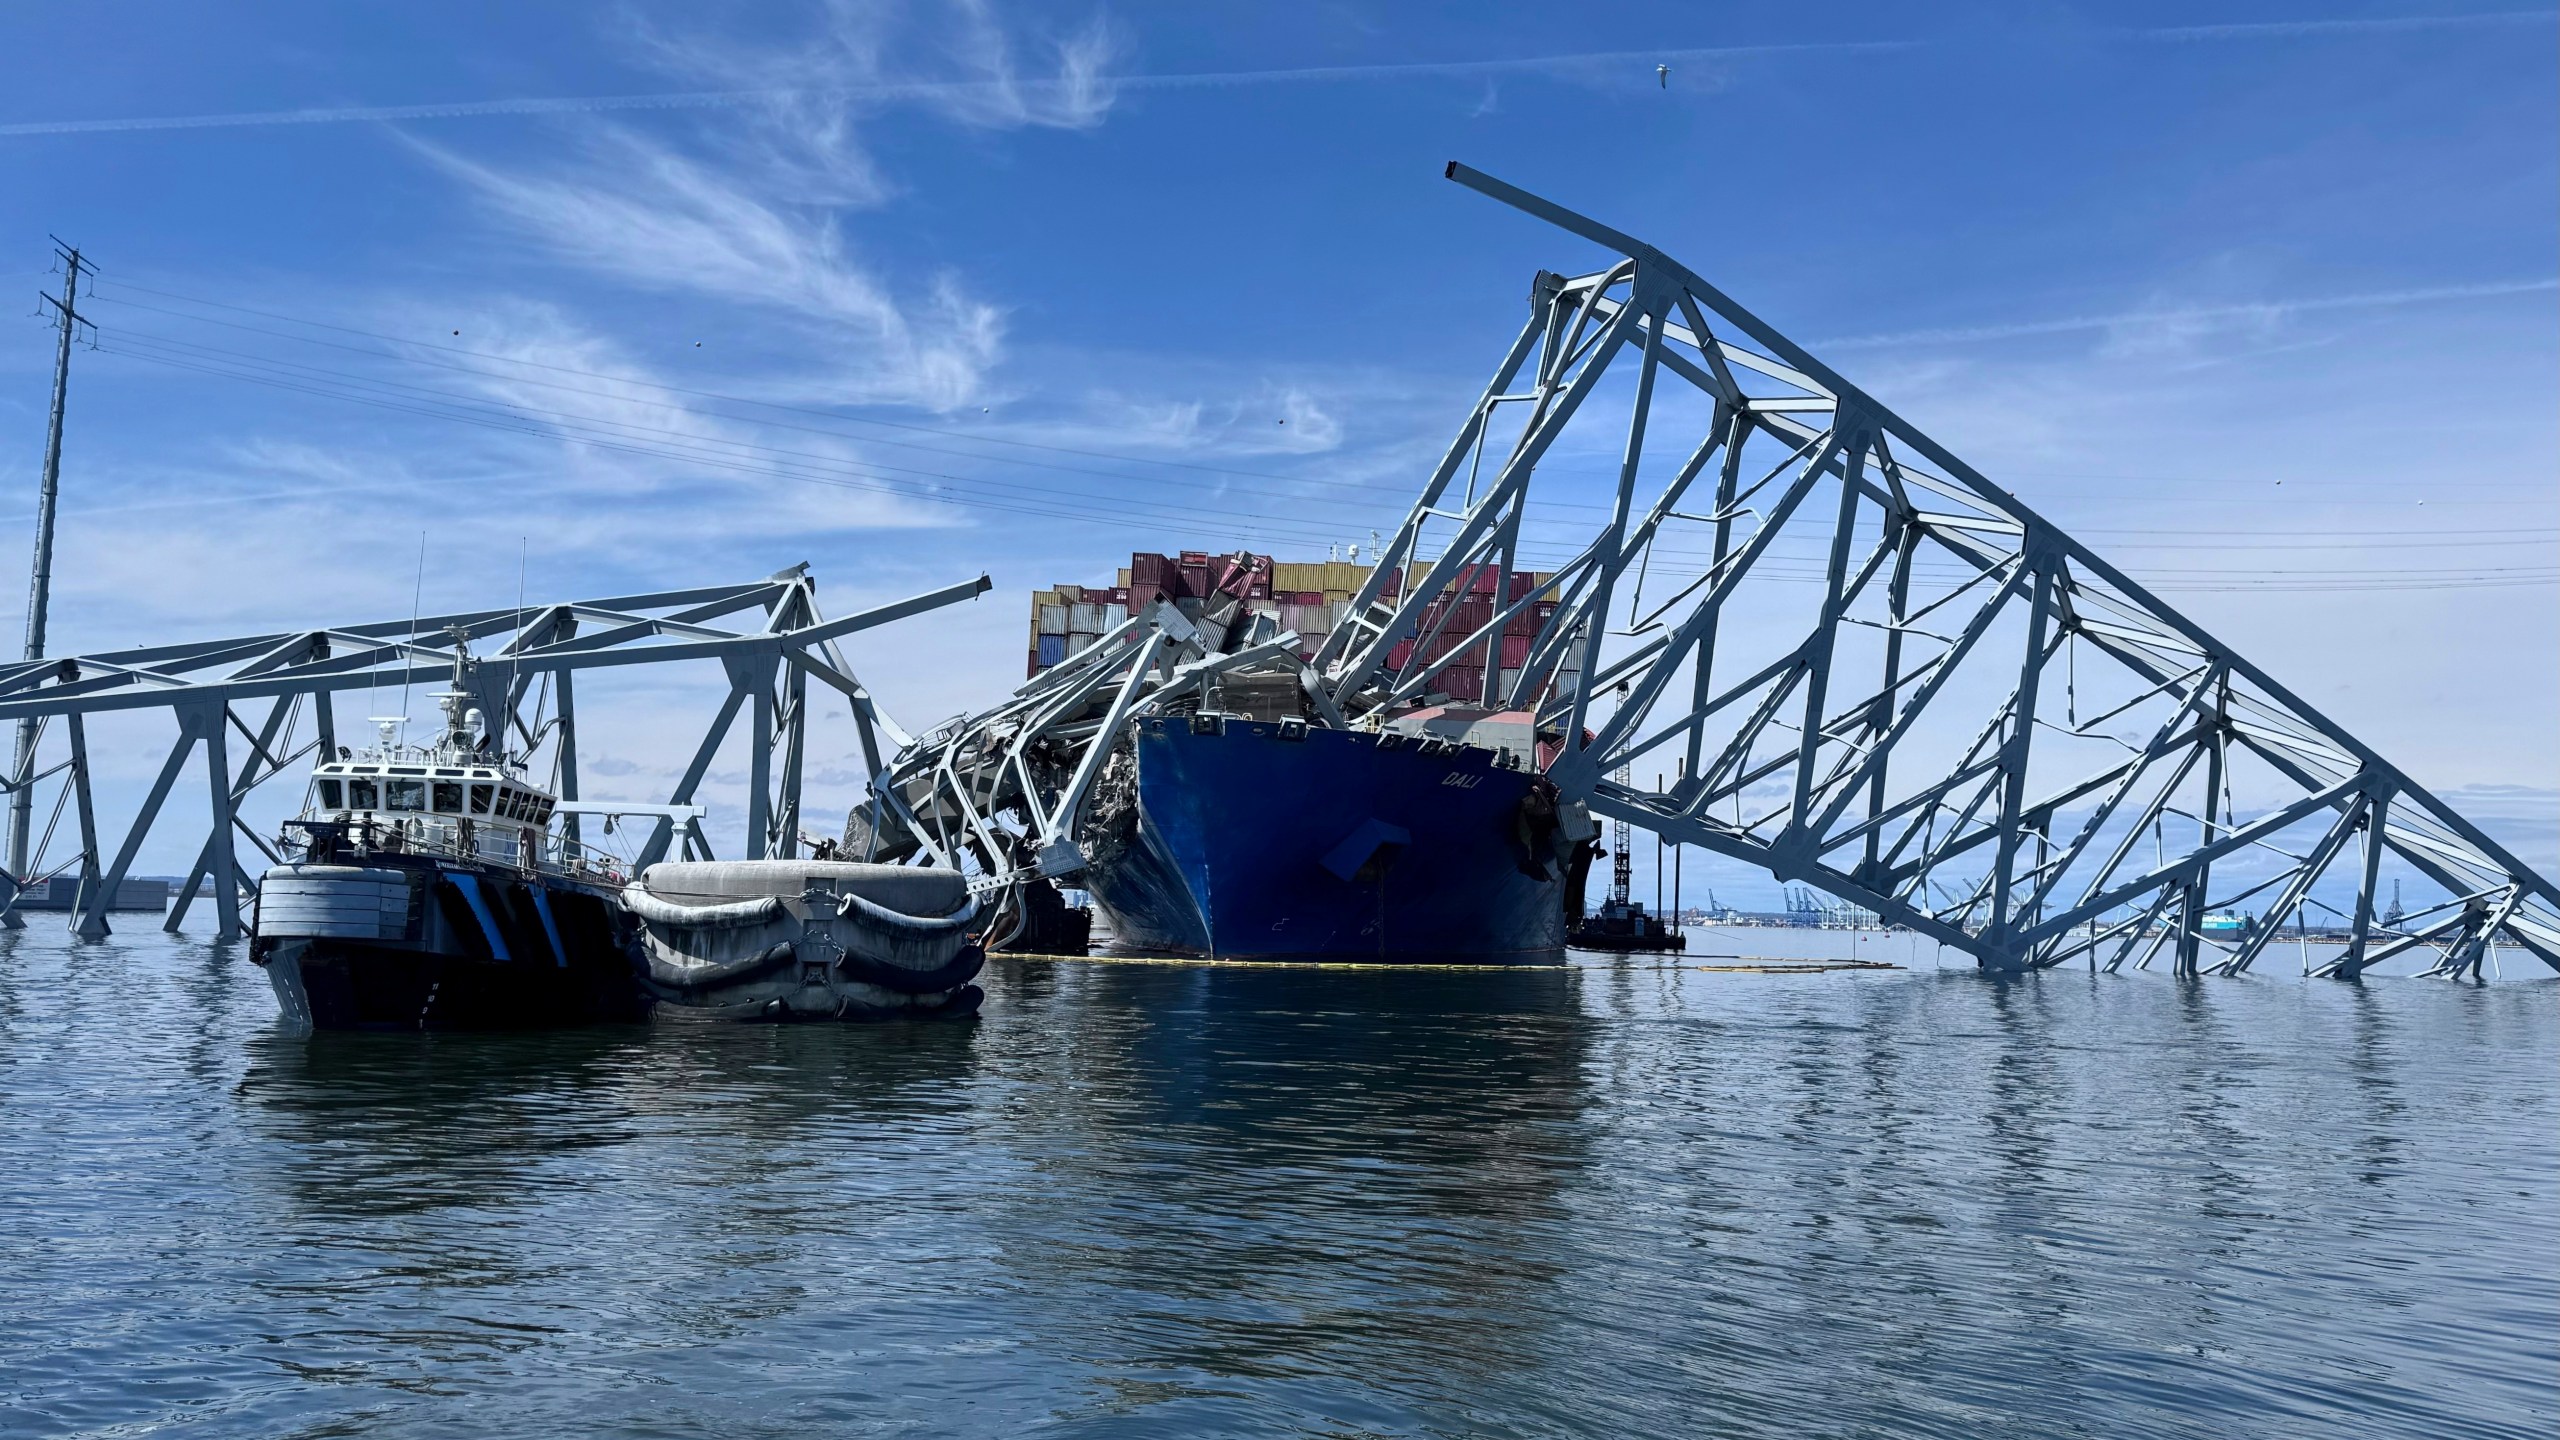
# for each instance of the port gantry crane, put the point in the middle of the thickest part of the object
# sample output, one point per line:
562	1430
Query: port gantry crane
1873	671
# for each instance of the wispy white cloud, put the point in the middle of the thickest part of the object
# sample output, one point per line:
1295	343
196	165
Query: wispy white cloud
643	213
749	209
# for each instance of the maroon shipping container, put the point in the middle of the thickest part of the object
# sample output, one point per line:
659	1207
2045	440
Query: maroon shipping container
1195	559
1515	651
1459	683
1195	581
1487	581
1146	569
1400	655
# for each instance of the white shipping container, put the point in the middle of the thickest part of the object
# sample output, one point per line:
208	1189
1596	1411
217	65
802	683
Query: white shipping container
1053	619
1078	640
1085	619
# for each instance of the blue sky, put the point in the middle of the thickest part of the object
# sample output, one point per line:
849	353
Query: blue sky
1188	277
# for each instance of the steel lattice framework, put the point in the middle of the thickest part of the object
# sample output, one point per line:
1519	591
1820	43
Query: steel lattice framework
213	688
1955	714
1846	656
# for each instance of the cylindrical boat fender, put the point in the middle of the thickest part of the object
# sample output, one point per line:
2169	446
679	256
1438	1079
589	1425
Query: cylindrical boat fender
958	971
694	977
904	923
637	899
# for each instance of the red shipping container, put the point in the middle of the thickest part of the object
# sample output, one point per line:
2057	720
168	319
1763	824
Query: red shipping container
1194	559
1146	569
1195	582
1460	684
1515	651
1400	655
1487	581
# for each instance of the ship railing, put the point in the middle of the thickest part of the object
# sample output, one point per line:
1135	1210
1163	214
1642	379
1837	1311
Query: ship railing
344	839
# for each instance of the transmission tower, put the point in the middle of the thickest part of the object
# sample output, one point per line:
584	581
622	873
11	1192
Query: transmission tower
67	323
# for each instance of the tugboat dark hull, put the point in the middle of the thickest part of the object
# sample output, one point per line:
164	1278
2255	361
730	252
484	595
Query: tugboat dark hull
423	945
335	985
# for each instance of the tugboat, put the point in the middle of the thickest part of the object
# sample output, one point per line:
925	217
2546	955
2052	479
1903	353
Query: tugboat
1621	924
427	892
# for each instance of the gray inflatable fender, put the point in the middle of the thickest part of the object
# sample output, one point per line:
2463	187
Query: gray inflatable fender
637	899
903	923
695	977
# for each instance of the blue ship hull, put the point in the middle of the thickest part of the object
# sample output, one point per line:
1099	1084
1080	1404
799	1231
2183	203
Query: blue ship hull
1250	843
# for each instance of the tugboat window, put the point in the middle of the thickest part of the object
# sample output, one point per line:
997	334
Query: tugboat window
404	794
448	797
360	795
479	799
329	797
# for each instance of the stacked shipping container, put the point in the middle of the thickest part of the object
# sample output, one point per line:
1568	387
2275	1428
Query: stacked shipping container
1308	597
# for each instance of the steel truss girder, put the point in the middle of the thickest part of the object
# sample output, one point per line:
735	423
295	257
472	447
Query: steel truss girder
1968	854
785	643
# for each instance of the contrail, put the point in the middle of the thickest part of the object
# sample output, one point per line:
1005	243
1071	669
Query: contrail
1205	80
923	90
2278	29
2265	310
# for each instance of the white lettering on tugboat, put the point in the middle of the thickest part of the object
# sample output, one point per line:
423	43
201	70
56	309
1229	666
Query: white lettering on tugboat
1463	782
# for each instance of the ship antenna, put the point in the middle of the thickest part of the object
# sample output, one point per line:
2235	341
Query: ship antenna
417	590
515	667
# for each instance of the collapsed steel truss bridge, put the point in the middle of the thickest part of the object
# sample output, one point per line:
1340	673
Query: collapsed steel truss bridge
525	685
1846	656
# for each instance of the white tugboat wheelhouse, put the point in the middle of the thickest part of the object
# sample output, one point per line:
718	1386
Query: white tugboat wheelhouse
460	796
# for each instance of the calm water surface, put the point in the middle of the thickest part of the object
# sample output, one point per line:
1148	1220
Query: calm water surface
1150	1200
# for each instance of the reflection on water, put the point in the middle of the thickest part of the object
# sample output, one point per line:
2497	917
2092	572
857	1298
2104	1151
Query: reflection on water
1618	1199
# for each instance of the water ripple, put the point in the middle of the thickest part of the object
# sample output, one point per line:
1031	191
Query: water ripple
1139	1200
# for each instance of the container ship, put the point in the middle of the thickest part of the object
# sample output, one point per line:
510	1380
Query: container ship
1247	829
